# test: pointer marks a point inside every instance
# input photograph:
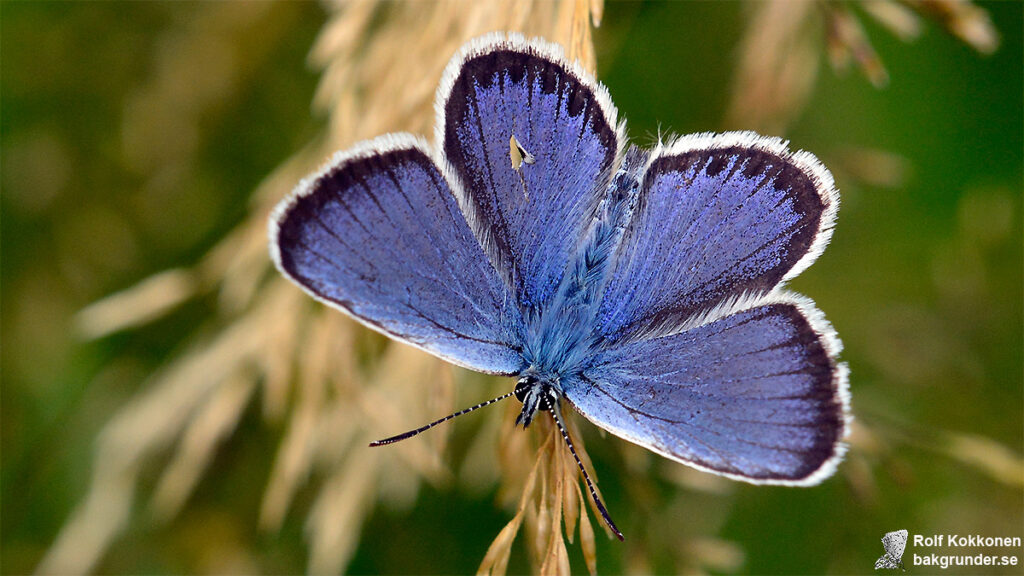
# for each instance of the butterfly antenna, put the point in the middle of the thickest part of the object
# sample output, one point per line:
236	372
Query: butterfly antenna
412	433
593	492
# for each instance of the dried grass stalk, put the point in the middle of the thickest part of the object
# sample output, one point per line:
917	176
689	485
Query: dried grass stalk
777	68
780	53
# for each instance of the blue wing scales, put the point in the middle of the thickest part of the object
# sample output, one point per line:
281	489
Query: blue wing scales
719	218
379	235
530	218
756	395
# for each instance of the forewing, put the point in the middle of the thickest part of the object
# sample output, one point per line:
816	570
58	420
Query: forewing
530	216
756	396
720	217
379	235
895	543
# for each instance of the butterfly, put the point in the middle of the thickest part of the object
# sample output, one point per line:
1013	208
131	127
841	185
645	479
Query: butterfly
894	543
640	287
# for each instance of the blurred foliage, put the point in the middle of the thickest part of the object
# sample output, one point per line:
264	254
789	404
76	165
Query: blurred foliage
133	135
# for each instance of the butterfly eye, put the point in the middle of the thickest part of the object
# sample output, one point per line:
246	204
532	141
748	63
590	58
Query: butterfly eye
523	387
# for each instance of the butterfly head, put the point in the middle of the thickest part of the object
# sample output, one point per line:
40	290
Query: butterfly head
536	394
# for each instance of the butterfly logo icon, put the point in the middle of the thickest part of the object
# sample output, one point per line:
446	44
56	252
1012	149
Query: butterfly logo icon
894	544
642	288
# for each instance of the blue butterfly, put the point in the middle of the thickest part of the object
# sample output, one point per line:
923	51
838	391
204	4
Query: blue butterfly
641	287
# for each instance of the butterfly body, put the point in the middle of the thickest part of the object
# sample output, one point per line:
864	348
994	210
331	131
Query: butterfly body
560	336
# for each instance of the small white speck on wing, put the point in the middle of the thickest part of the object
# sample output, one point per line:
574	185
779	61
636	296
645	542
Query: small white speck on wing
519	156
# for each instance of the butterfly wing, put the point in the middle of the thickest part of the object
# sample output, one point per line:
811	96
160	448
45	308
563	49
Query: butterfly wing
756	395
721	218
530	218
885	562
895	543
379	235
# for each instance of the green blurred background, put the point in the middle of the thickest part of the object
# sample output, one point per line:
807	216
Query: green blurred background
923	279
